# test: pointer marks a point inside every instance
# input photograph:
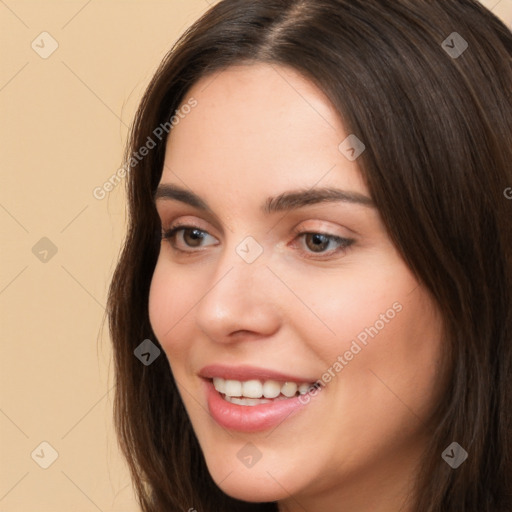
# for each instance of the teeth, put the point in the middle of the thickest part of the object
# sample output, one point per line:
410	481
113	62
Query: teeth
233	388
254	390
289	389
303	389
246	401
219	384
271	389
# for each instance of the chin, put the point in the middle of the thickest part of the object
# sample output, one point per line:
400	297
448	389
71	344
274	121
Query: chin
253	492
251	485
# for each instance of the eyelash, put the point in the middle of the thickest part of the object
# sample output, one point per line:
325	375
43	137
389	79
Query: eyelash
170	234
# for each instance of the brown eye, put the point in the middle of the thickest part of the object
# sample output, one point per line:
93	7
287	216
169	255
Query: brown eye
193	237
317	242
187	237
323	244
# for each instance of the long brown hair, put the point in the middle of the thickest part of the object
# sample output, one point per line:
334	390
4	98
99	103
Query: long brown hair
437	127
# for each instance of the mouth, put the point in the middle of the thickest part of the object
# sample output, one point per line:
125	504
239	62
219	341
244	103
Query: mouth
250	399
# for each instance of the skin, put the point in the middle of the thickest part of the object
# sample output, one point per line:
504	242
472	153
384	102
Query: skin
258	131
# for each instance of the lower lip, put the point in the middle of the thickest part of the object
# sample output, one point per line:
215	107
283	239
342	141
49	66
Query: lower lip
249	418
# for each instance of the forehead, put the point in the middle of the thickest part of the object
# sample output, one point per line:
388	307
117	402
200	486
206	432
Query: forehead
259	127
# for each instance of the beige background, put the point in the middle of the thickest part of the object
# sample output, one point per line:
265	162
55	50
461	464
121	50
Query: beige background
64	123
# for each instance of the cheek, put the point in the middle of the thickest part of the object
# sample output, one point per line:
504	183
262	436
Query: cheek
169	301
383	326
393	379
362	301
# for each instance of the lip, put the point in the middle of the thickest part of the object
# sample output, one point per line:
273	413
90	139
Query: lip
244	373
244	418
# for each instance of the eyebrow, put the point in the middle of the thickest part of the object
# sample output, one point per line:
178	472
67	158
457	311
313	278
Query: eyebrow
286	201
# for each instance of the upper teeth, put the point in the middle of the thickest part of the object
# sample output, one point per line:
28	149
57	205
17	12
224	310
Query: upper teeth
257	389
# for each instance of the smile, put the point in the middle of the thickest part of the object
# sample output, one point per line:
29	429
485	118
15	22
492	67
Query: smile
255	392
249	399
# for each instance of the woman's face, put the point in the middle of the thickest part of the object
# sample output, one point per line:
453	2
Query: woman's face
284	275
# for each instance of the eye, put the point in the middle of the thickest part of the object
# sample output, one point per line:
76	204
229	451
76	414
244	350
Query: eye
188	236
318	243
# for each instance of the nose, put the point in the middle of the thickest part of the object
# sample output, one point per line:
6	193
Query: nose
240	302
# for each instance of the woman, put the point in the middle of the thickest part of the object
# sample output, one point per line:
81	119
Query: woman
316	281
